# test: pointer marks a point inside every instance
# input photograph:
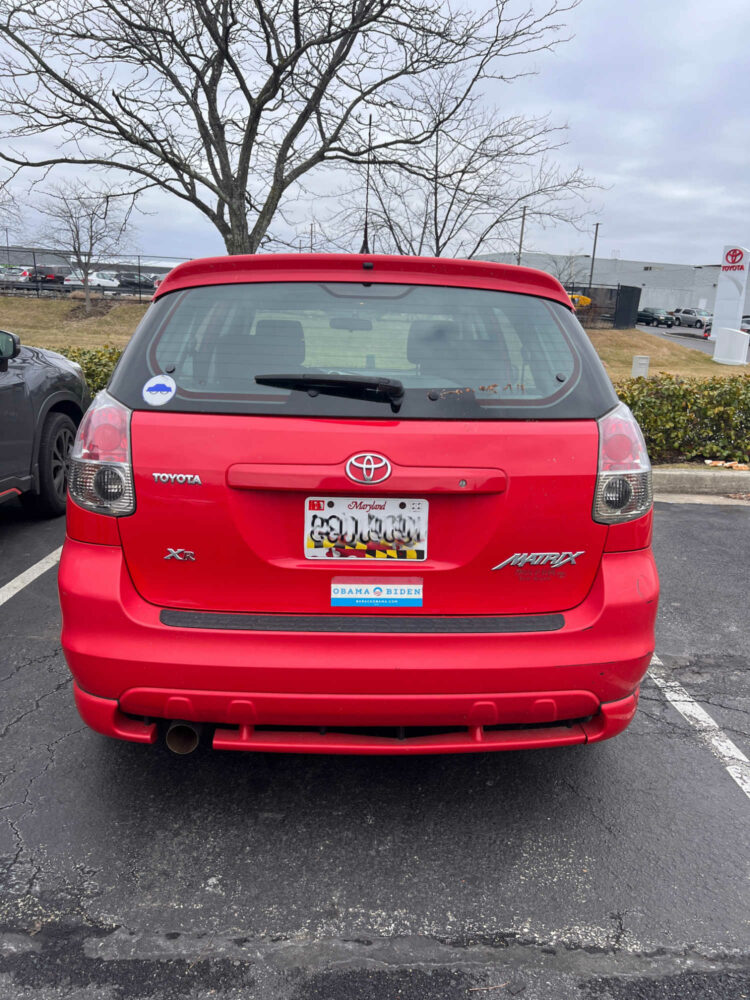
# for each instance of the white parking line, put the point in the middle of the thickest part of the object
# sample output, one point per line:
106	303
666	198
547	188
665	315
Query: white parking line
28	576
718	742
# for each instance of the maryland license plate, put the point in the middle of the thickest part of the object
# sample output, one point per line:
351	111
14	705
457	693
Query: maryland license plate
366	528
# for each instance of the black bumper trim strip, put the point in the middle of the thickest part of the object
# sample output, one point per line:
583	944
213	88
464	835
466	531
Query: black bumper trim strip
361	623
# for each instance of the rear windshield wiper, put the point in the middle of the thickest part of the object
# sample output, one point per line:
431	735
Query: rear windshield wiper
354	386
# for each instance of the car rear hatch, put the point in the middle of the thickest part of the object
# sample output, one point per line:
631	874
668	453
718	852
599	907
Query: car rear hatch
469	494
233	493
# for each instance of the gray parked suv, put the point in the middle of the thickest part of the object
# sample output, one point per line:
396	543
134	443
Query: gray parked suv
692	317
42	399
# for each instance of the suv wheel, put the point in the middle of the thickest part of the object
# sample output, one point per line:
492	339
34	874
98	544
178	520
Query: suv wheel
677	321
698	324
58	435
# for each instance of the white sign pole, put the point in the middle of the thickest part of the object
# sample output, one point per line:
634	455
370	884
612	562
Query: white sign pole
731	344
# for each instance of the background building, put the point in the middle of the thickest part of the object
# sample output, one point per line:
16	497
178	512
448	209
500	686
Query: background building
665	286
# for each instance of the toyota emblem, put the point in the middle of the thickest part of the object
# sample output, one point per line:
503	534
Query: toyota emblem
733	256
367	468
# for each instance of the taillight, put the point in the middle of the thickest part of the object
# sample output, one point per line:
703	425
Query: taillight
101	472
623	484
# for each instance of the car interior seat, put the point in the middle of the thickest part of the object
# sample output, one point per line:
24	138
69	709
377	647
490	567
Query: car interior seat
239	355
279	345
433	346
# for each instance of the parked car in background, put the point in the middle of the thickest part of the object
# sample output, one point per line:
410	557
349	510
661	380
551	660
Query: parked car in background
97	279
16	273
744	327
655	317
54	275
132	281
42	399
351	504
12	275
692	317
579	301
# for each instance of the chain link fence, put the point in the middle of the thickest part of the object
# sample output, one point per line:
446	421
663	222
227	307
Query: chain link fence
42	271
610	306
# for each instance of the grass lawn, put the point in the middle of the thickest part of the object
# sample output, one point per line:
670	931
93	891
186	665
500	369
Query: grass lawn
48	323
617	347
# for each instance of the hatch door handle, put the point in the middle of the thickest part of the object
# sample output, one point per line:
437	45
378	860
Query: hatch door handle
403	479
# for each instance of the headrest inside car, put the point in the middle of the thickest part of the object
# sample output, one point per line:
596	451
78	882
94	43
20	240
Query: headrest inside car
432	340
282	340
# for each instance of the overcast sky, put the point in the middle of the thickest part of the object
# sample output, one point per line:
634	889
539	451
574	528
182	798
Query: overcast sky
656	96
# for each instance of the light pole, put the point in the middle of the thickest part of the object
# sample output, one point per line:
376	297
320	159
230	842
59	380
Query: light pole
365	248
593	255
7	244
520	240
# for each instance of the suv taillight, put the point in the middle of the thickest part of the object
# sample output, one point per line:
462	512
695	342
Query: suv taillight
101	473
623	484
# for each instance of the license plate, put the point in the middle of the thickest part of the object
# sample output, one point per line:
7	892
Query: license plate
366	528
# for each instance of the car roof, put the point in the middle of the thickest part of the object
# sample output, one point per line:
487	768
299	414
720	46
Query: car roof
353	267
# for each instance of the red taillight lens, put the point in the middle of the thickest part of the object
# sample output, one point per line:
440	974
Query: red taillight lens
623	485
101	474
104	432
617	448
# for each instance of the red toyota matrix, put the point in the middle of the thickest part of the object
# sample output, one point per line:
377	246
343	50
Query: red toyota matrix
358	504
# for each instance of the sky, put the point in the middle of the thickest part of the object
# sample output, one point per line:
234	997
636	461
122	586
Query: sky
655	94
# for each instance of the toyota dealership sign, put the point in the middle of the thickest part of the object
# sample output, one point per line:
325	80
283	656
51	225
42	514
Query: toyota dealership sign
734	260
731	344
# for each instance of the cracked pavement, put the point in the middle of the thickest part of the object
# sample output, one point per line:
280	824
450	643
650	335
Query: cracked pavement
610	872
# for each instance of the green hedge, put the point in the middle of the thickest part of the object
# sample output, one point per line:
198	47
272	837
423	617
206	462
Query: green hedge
683	419
97	363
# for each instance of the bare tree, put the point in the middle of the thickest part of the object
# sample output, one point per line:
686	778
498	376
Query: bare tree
570	269
87	225
11	220
228	104
464	192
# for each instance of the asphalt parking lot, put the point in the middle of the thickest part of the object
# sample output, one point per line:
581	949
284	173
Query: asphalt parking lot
613	872
684	337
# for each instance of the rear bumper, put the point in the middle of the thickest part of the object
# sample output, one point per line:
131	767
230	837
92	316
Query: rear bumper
577	684
106	716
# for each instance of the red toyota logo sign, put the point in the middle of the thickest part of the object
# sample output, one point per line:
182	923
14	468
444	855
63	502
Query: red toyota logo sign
733	256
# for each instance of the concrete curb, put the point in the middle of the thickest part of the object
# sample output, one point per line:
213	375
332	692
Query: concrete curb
713	482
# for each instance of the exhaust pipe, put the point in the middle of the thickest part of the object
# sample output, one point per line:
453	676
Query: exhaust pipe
183	737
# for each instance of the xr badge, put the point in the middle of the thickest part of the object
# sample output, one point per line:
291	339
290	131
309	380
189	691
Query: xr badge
182	554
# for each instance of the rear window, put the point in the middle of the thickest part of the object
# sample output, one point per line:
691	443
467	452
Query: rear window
458	352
